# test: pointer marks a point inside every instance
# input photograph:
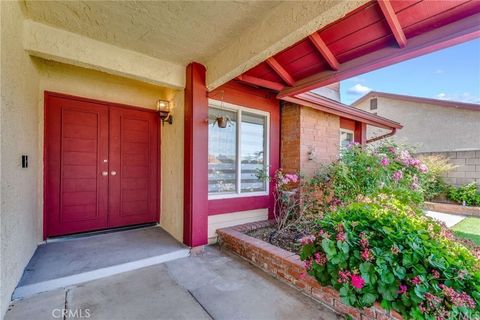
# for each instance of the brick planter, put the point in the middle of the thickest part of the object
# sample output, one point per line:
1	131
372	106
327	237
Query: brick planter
453	209
288	267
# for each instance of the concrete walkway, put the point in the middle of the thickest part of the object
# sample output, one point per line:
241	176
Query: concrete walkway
215	285
449	219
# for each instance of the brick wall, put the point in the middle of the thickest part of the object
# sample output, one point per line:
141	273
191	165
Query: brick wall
290	138
468	166
309	138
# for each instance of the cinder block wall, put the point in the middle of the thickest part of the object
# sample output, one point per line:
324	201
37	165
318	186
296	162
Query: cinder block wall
309	138
467	166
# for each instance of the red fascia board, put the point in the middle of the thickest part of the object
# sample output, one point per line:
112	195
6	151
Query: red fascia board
329	106
437	102
443	37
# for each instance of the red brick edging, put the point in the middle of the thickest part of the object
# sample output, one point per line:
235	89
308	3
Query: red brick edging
288	267
453	209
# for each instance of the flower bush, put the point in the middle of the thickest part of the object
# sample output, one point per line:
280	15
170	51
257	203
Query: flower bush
387	168
293	197
387	251
467	194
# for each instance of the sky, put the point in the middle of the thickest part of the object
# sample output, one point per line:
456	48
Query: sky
451	74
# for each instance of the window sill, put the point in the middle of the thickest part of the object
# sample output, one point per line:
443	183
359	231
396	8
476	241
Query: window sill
237	195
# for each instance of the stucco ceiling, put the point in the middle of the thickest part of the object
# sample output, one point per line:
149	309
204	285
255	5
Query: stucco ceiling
177	31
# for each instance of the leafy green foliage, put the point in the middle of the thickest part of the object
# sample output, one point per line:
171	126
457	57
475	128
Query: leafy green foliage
467	194
362	172
387	251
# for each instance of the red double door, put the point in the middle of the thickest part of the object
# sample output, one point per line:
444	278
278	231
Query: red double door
101	166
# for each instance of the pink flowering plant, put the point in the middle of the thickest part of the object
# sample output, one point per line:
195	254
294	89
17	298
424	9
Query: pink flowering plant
383	250
385	168
293	198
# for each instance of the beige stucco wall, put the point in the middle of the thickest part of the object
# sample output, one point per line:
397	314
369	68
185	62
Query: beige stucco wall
24	81
171	216
428	127
59	45
19	135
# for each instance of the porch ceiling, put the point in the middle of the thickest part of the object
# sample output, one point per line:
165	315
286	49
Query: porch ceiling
176	31
378	34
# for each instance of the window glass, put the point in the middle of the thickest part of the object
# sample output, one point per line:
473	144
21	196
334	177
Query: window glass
346	138
222	152
237	152
252	137
373	104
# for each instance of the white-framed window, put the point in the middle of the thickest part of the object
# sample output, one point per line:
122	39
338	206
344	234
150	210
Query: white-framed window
346	138
237	152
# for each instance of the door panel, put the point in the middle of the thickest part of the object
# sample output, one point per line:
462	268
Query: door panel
85	142
133	193
76	142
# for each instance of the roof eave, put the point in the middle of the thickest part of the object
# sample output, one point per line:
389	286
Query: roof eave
330	106
436	102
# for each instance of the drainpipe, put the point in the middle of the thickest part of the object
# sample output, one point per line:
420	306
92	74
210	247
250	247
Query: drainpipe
383	136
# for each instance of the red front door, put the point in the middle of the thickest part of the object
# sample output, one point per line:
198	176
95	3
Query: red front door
101	166
133	167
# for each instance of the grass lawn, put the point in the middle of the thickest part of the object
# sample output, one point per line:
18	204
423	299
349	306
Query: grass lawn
468	228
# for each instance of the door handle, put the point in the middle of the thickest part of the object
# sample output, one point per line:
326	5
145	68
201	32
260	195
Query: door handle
113	173
104	173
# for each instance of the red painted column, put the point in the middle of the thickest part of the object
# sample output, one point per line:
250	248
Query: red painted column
360	133
195	225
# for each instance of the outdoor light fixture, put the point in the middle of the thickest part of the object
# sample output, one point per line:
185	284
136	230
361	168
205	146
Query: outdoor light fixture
164	111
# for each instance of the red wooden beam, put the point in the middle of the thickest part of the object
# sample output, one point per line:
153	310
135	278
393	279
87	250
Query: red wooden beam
324	50
261	82
393	22
440	38
282	73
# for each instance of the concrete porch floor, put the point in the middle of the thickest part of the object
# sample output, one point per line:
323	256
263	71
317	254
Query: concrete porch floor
215	285
59	264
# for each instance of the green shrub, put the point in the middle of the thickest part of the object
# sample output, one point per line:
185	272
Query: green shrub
387	168
386	251
433	184
468	193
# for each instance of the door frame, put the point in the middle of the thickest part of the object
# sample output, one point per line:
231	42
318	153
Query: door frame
47	96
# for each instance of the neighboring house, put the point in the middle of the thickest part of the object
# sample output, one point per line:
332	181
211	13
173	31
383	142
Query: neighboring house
88	90
450	128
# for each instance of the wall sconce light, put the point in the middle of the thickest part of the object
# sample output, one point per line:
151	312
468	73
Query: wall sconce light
164	111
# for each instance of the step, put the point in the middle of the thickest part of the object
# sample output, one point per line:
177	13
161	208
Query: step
48	285
71	261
